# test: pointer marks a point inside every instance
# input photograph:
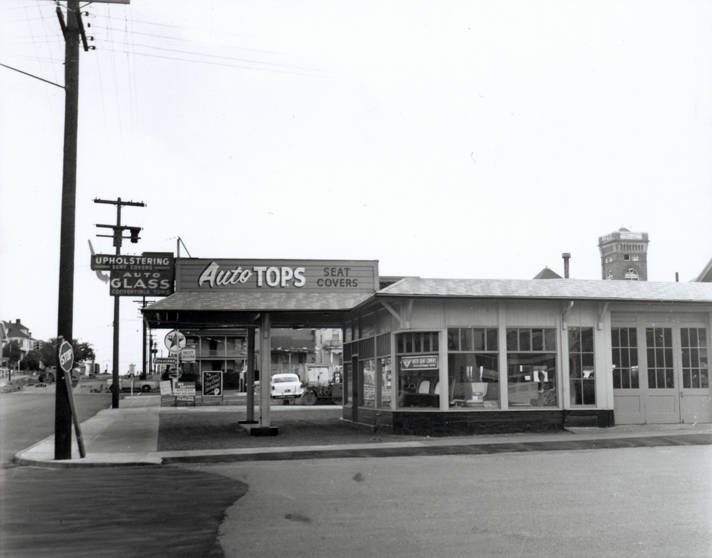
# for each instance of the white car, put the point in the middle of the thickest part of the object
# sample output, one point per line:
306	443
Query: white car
286	387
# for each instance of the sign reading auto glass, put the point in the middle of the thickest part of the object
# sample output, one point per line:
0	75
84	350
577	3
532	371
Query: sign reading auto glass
353	276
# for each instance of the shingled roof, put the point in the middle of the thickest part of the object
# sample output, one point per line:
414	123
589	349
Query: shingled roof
579	289
233	300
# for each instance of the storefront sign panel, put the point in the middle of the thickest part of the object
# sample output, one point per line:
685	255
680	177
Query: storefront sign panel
141	283
421	362
148	261
352	276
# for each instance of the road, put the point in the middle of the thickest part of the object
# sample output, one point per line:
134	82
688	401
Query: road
101	512
646	502
28	416
629	502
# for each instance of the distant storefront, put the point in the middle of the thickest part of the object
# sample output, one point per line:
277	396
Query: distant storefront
443	356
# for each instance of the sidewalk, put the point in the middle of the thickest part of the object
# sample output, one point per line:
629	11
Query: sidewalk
141	432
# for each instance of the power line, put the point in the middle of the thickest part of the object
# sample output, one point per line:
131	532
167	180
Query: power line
211	63
218	56
31	75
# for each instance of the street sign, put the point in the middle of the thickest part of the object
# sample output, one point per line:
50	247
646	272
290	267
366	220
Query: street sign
66	356
175	341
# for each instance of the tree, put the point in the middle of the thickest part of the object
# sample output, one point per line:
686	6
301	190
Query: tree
31	361
48	352
12	352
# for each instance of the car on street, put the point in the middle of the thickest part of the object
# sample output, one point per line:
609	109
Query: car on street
286	387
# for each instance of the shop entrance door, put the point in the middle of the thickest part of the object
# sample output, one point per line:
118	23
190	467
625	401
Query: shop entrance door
628	391
695	400
663	394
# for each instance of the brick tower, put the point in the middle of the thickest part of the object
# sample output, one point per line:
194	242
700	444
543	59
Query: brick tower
624	255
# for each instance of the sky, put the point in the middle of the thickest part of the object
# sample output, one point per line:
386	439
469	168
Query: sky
474	139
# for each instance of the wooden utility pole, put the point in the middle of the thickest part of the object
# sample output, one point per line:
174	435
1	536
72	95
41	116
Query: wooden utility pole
65	307
73	31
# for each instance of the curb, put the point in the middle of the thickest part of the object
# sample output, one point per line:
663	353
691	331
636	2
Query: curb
398	450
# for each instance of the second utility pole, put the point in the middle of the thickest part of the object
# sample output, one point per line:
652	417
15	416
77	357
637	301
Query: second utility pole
118	237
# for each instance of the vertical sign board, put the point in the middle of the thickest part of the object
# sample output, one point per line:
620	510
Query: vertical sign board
212	382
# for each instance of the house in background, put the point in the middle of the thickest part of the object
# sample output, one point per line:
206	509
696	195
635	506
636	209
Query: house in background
15	331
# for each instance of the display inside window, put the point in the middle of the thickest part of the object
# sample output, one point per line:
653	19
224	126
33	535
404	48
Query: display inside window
418	369
531	367
367	383
473	380
473	369
386	387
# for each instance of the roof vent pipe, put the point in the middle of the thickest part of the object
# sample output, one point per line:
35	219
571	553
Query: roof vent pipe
566	256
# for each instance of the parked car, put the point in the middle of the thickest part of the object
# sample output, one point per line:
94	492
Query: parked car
286	387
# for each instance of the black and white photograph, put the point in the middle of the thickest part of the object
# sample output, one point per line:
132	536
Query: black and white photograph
314	278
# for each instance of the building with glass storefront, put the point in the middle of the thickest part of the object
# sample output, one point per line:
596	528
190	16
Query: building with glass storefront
444	356
450	356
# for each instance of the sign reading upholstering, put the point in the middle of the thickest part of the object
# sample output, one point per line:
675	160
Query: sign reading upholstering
425	362
212	382
66	356
352	276
148	261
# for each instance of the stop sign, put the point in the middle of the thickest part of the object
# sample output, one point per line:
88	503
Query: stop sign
66	356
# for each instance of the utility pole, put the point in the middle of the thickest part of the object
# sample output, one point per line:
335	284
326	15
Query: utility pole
73	31
118	236
65	305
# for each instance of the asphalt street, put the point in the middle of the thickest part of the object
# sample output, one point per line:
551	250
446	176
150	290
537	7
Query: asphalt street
647	502
113	511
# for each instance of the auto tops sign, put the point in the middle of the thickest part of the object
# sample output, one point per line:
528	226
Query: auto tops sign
353	276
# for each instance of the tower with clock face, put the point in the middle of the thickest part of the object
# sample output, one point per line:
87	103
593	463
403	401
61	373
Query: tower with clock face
624	255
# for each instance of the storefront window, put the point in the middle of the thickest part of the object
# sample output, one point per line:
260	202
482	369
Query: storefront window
348	386
384	369
418	369
531	372
694	357
384	385
659	346
473	377
367	385
581	371
624	347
